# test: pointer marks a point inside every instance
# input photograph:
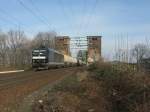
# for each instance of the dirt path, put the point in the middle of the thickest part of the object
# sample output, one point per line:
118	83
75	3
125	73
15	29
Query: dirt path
15	86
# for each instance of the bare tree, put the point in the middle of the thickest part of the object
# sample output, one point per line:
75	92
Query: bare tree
17	47
3	48
44	39
139	52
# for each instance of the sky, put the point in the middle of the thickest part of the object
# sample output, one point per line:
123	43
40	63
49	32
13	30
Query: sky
111	19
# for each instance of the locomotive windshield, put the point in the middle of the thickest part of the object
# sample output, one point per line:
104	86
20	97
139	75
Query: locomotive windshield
39	53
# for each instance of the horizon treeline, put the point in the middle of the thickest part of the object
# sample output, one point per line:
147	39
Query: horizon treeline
16	47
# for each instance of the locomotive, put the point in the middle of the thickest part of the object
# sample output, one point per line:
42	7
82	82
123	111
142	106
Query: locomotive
45	58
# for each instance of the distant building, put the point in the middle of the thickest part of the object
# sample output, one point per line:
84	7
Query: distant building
94	48
62	44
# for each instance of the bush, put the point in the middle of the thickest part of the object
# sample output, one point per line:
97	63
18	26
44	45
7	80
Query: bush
105	89
122	88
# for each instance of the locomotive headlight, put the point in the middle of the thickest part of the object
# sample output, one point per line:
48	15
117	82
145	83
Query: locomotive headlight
33	60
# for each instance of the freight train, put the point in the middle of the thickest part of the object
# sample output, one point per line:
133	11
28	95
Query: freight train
45	58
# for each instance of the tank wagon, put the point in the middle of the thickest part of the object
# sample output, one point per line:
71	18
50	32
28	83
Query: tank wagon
45	58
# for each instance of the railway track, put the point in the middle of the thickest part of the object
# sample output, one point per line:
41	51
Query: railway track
14	87
11	80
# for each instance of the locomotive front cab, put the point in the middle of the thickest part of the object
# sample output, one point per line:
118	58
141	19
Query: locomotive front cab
39	58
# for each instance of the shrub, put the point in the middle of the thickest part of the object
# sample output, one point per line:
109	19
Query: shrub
124	89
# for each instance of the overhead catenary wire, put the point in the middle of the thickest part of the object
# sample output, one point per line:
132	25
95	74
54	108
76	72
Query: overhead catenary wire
77	41
32	12
6	14
8	21
85	19
68	15
39	12
90	15
81	25
13	20
64	12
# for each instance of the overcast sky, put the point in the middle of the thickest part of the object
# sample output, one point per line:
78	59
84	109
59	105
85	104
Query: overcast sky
109	18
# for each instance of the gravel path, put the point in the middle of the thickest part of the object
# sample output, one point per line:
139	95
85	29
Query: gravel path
14	87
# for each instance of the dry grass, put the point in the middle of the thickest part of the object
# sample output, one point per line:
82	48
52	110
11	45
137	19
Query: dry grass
104	88
127	91
74	94
9	68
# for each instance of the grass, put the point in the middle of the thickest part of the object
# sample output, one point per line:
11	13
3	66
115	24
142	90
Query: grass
9	68
123	88
105	89
73	95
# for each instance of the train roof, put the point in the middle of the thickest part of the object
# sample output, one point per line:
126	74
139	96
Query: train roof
46	48
54	50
